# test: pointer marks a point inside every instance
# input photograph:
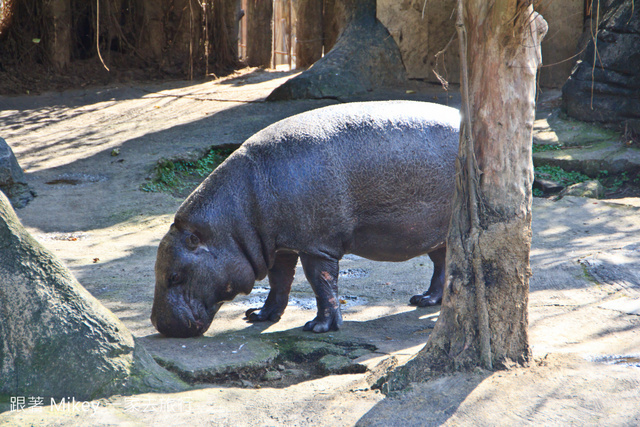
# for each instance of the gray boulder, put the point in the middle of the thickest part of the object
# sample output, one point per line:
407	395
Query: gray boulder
591	189
56	339
615	78
12	180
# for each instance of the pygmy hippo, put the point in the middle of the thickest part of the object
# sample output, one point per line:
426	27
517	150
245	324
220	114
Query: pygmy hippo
374	179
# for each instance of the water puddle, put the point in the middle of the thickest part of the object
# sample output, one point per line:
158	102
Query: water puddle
258	296
70	237
76	179
353	273
64	181
619	360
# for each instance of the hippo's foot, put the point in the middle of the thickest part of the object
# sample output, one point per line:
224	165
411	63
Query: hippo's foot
263	314
425	300
324	323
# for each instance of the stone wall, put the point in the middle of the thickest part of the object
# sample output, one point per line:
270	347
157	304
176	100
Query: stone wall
565	19
421	36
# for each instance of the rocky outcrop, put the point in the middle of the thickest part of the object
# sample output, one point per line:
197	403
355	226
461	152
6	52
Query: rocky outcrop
364	57
609	90
56	339
12	180
422	29
592	189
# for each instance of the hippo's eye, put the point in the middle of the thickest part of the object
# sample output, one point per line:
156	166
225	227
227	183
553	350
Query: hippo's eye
175	279
192	241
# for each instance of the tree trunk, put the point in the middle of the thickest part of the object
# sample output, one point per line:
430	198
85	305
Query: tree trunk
308	32
56	339
332	25
222	39
153	29
483	319
230	10
364	57
259	37
59	43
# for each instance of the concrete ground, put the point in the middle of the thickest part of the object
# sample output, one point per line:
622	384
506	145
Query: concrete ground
584	302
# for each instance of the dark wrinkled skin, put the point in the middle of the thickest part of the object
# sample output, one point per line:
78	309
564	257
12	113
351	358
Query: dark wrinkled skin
373	179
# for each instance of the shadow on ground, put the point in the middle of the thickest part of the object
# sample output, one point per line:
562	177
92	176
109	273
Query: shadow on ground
289	356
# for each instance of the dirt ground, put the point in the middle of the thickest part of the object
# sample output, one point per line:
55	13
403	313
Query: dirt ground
90	211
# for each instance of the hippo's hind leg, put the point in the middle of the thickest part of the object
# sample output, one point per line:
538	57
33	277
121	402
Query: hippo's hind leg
434	295
322	273
280	279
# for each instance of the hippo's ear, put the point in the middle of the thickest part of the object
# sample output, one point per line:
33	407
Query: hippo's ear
192	241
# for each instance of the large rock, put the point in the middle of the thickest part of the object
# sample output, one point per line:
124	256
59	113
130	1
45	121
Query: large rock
364	57
422	29
591	189
56	339
12	180
614	81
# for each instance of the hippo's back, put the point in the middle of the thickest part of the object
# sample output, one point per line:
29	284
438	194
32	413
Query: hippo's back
361	126
392	143
373	178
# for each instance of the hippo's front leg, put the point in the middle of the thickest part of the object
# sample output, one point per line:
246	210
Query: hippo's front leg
322	273
280	280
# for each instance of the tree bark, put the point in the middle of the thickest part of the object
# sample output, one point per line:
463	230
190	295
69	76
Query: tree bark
308	32
230	9
56	339
332	25
153	29
259	36
222	40
59	43
484	319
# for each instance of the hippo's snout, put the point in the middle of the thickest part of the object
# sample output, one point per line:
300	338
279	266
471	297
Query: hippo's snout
178	329
178	317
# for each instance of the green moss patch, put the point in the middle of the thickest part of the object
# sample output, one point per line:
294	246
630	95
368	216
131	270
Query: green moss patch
560	175
540	148
182	175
